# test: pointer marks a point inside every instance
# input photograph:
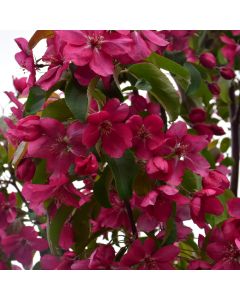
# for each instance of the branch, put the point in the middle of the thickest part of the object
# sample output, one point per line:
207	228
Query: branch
234	120
131	219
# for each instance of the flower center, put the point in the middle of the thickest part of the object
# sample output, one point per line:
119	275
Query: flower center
106	127
181	150
95	41
150	263
143	133
232	254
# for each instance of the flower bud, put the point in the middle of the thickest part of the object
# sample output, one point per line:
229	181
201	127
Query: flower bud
20	84
197	115
214	88
25	170
227	73
86	166
158	168
208	60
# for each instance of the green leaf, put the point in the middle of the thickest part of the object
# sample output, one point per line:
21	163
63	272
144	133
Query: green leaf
124	170
81	227
58	110
40	175
142	184
3	154
77	100
173	67
101	187
35	100
224	87
171	229
55	227
191	181
162	88
225	144
195	79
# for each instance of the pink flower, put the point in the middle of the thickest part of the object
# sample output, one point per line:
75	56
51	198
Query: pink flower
96	48
144	43
25	59
17	111
8	210
20	84
205	202
27	129
57	144
233	206
57	188
199	265
66	239
147	134
157	207
86	165
159	168
146	256
51	262
215	180
208	60
102	258
22	245
114	217
224	246
184	148
57	63
25	170
230	49
108	125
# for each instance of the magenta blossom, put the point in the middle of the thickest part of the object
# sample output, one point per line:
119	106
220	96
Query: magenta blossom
22	245
86	165
185	148
114	217
25	59
108	125
101	259
57	188
205	202
8	210
147	134
96	48
224	246
145	42
146	256
57	63
59	147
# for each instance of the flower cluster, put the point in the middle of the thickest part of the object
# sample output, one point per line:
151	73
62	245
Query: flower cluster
109	177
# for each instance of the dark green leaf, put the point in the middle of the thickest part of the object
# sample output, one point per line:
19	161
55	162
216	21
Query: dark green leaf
55	227
172	67
40	175
101	187
162	88
195	78
191	181
77	100
124	170
35	100
57	110
81	227
225	144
